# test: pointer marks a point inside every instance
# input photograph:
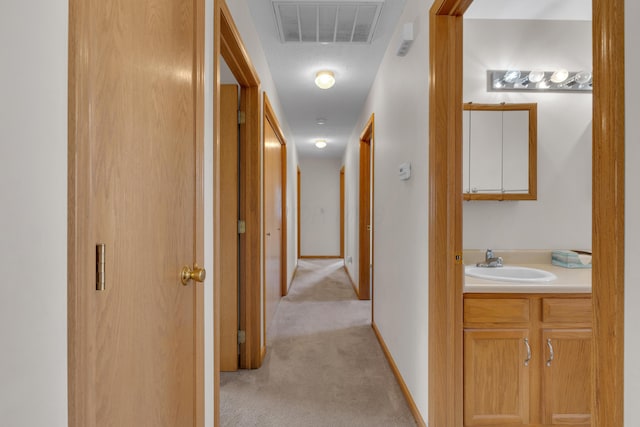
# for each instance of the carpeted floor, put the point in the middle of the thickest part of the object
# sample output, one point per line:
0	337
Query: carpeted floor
324	366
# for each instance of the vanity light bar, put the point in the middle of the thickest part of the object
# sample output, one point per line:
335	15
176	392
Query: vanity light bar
539	81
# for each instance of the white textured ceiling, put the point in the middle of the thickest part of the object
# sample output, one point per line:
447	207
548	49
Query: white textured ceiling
294	65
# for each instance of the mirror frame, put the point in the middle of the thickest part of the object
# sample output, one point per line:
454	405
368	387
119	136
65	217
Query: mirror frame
532	108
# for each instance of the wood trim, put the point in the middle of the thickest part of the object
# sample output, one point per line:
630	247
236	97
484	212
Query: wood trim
445	369
284	247
533	151
299	220
79	322
608	212
320	257
199	88
228	44
365	199
342	212
270	116
445	215
396	372
217	246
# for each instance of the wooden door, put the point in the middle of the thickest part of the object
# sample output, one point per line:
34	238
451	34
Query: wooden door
229	227
496	377
272	221
566	379
135	149
365	223
342	212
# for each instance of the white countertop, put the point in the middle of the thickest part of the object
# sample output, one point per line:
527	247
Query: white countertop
570	280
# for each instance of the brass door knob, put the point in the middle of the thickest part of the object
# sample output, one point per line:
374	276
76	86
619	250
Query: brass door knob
198	274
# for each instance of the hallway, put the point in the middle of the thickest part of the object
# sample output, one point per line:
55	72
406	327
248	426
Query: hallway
324	366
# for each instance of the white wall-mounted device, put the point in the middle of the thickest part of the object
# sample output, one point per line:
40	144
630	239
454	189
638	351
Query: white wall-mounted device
406	38
404	171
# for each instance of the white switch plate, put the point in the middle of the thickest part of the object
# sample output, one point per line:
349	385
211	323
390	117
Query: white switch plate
404	171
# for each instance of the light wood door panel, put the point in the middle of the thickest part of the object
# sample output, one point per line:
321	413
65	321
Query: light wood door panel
496	379
138	90
566	384
273	221
229	227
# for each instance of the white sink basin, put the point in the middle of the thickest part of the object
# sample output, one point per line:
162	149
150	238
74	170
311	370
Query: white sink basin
510	273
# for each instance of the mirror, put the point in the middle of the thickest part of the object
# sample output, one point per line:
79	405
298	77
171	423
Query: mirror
500	151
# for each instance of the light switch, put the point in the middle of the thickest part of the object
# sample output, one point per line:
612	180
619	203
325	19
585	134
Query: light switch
404	171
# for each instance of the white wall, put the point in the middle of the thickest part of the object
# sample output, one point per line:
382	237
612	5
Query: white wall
632	226
563	208
320	206
33	213
399	98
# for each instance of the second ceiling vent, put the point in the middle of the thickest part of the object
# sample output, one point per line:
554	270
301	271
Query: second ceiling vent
324	22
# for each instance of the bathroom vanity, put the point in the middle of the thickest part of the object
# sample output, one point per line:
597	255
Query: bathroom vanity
527	351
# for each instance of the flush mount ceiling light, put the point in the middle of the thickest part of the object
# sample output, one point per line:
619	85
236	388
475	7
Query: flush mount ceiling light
321	122
325	79
539	80
321	143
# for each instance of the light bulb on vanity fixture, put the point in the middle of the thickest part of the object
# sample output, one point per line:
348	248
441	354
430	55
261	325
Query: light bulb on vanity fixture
325	79
558	80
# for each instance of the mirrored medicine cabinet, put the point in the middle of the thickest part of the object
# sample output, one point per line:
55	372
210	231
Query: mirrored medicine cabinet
500	151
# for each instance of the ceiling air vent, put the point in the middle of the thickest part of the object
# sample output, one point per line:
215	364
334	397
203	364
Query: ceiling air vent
326	22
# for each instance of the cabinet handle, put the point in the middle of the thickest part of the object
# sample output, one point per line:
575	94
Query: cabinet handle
528	359
550	352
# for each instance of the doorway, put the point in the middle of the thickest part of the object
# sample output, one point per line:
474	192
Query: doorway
365	200
445	223
228	45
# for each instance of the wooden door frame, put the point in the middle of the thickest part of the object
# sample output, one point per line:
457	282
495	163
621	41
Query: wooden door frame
298	207
365	200
270	118
80	252
445	223
342	212
228	44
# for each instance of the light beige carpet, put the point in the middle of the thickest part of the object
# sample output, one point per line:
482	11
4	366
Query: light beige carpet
324	366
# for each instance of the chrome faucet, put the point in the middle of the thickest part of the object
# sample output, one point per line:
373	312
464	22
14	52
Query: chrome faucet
490	260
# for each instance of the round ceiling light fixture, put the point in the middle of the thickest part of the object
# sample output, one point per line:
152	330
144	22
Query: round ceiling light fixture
325	79
321	143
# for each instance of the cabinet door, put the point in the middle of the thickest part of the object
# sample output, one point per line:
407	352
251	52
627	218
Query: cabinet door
515	159
485	151
496	376
566	379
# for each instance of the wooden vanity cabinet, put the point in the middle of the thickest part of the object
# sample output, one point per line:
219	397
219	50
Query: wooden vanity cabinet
510	376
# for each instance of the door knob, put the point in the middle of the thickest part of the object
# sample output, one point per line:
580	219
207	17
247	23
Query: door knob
198	274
